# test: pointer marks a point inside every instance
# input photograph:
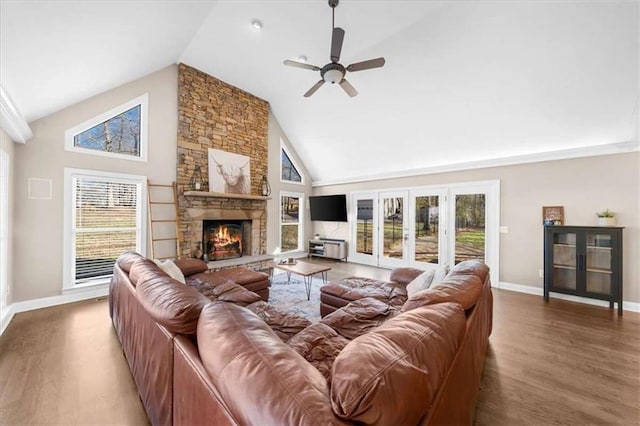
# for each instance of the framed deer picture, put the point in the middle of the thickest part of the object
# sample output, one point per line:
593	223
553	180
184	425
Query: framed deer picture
229	173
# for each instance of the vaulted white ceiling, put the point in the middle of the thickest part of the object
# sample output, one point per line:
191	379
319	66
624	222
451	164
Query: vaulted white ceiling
464	81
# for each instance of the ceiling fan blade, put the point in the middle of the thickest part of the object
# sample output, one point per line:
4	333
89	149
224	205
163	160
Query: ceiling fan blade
336	43
347	87
314	88
366	65
301	65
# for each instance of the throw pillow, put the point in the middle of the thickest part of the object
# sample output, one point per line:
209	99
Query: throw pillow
439	274
421	282
171	269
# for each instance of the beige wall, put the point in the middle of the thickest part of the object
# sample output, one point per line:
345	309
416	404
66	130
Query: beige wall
38	224
583	186
7	146
273	205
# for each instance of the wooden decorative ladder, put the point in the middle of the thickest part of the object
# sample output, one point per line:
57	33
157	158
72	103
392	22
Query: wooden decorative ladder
159	198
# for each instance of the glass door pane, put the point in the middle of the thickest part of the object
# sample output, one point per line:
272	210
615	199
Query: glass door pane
394	231
427	229
289	224
469	227
564	260
363	221
365	226
599	268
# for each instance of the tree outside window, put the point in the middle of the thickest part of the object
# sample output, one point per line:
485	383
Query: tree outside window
290	223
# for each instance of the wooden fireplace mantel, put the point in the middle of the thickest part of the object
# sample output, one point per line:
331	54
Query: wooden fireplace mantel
224	195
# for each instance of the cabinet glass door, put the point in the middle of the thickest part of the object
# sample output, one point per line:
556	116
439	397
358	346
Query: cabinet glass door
564	260
599	267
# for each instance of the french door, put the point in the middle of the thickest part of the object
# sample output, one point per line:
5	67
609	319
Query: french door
426	227
393	224
428	224
364	220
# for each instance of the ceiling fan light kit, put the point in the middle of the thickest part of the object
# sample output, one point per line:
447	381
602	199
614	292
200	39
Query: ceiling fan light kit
334	71
257	24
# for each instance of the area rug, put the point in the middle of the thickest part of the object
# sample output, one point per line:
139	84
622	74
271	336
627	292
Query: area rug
292	296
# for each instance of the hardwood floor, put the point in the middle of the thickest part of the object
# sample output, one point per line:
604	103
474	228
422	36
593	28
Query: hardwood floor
548	364
64	365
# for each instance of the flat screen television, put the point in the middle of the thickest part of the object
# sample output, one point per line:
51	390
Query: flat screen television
328	208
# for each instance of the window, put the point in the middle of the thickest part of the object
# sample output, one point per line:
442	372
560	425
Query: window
103	218
291	222
120	132
288	170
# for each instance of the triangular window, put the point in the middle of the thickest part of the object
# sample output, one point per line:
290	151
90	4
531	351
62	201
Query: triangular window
289	171
120	132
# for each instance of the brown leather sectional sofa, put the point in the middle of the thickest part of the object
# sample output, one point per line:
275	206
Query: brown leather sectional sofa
230	358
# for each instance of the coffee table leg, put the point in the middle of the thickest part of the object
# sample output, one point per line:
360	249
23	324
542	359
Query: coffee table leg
307	285
324	277
288	277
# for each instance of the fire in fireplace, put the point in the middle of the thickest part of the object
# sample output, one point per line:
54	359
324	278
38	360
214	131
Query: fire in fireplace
223	239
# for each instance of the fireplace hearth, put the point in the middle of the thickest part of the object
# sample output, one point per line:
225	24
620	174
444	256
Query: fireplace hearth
225	239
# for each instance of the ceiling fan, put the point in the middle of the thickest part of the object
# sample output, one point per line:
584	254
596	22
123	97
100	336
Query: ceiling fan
334	71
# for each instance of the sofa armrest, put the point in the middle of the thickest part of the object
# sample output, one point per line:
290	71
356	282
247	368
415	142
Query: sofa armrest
404	275
195	399
191	266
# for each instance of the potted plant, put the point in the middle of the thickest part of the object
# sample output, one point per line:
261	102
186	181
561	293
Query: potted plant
606	218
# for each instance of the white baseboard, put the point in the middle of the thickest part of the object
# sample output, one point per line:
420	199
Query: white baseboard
7	316
538	291
46	302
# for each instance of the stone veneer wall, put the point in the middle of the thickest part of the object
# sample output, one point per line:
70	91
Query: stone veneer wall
214	114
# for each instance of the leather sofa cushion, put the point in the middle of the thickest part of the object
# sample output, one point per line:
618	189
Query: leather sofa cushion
191	266
240	275
472	267
284	324
258	376
354	288
404	275
127	259
319	344
462	285
465	291
358	317
143	269
229	292
390	375
173	305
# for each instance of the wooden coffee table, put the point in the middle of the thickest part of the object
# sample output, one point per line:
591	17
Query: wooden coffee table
306	270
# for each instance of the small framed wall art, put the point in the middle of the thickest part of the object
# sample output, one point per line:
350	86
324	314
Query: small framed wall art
552	215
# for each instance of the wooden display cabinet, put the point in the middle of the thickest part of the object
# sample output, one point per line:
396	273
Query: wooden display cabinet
584	261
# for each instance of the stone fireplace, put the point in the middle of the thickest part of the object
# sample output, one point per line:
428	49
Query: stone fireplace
214	114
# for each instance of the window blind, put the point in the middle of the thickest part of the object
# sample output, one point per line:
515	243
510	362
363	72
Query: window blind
105	224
